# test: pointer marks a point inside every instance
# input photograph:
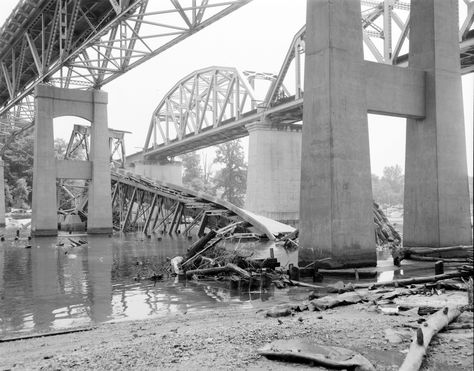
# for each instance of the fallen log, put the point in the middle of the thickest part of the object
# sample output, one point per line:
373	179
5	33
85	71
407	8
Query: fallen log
423	335
74	243
216	270
304	351
199	253
435	259
200	244
238	270
435	250
304	284
46	334
409	281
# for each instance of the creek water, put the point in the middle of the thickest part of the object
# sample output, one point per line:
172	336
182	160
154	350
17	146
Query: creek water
47	287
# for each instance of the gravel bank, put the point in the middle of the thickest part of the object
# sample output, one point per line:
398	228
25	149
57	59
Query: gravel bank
229	339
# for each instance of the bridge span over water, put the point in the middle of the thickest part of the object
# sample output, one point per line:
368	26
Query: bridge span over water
45	48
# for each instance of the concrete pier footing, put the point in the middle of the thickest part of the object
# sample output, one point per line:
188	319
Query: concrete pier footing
274	170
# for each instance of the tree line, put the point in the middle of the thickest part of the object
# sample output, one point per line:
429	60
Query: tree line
228	181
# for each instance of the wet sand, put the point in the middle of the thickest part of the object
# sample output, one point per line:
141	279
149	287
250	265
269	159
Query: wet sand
228	338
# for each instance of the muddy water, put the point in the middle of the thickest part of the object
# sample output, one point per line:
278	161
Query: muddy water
49	287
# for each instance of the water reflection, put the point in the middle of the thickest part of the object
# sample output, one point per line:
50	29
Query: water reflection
50	287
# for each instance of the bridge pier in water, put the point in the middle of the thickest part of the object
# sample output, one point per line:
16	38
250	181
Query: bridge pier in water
274	169
436	183
340	88
51	102
336	196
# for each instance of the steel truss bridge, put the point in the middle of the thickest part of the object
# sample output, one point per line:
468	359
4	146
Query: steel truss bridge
87	43
214	105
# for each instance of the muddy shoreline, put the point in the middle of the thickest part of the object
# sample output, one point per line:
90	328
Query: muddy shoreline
228	338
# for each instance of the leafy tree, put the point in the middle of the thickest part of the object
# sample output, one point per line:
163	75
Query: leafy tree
231	181
60	147
8	196
191	167
18	161
193	175
388	189
20	193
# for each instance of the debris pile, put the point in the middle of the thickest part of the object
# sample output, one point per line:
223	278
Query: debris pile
385	233
387	300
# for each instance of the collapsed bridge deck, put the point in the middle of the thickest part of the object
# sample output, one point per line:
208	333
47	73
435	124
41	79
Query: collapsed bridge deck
140	202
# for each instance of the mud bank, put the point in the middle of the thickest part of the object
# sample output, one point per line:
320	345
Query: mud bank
228	338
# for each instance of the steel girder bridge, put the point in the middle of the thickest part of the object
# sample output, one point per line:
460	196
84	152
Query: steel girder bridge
214	105
87	43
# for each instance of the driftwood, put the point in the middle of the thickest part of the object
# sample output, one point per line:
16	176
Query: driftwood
46	334
435	259
422	253
304	284
435	250
384	231
199	253
303	351
200	244
74	243
216	270
409	281
423	335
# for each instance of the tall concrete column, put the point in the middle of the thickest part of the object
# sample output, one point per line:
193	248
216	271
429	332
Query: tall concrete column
2	195
274	170
99	219
336	218
436	183
44	220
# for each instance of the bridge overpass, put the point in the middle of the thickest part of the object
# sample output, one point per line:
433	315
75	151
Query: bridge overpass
210	106
84	44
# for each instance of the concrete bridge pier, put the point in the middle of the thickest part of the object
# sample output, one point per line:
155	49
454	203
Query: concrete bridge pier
436	201
336	218
51	102
274	169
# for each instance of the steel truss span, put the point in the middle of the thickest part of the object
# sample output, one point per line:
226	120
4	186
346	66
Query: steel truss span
205	100
88	43
187	118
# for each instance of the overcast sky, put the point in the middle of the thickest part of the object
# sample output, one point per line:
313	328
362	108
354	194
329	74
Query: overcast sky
255	37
